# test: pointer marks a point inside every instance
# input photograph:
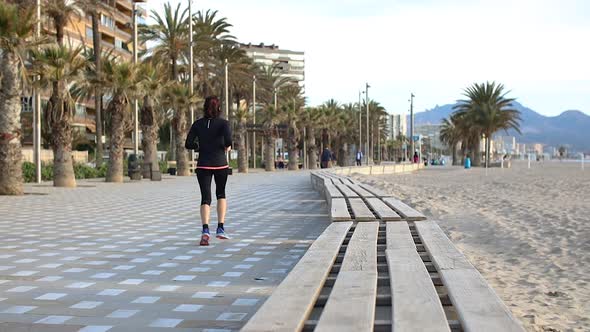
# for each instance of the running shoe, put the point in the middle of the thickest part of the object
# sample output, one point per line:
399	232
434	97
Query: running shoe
220	234
205	236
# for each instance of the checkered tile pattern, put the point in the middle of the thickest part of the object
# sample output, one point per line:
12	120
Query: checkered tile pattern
125	257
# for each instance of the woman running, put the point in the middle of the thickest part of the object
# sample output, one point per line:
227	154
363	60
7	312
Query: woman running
212	137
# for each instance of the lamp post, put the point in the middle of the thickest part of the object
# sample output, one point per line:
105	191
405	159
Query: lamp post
360	124
367	86
135	103
37	112
226	98
191	67
412	122
254	121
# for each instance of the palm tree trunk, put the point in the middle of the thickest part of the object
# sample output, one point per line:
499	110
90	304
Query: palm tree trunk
454	153
61	138
115	171
476	160
312	153
180	132
97	93
488	143
149	144
242	151
11	176
292	148
269	158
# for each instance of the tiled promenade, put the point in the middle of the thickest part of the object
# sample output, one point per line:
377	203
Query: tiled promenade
107	257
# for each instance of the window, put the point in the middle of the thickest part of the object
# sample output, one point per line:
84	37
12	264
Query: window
89	33
80	110
107	21
118	43
26	104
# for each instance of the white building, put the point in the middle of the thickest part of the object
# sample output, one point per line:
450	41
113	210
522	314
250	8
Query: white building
397	125
291	63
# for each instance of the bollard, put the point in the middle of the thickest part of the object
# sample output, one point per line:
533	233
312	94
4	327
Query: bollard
583	157
467	163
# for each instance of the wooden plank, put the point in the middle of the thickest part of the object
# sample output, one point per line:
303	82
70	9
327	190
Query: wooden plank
351	305
360	210
339	210
346	191
415	303
376	191
292	301
479	308
383	211
359	190
403	209
331	192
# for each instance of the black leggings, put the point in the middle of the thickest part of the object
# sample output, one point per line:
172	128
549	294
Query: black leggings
204	176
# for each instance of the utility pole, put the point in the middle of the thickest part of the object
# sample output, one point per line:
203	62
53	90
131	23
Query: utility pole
191	68
254	121
226	98
135	104
367	86
360	125
37	112
412	122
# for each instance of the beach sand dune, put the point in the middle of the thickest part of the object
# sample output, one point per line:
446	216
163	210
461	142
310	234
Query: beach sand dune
526	230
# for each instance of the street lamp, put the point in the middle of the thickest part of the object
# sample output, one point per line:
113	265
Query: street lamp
412	121
191	67
360	124
367	86
135	103
37	112
254	121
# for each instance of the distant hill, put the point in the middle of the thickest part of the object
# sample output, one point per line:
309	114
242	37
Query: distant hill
569	128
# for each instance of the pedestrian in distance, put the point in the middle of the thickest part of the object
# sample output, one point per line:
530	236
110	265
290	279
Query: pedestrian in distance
359	158
325	158
211	136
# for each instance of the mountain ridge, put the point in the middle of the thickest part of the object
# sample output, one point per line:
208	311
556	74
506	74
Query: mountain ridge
570	128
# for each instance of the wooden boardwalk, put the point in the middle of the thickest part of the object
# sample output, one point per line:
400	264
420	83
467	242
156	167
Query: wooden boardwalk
381	266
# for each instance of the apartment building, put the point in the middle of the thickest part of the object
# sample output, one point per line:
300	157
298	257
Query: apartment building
290	63
116	35
397	125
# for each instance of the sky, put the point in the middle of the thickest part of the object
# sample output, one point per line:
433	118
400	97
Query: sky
538	49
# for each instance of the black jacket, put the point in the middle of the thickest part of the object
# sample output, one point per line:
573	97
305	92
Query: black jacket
210	137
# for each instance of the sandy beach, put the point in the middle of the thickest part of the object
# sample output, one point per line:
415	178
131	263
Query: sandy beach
526	230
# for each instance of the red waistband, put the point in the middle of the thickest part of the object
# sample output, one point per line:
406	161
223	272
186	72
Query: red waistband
213	167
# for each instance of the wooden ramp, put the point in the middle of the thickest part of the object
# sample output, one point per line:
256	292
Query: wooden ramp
360	210
383	211
351	305
478	306
416	305
292	301
404	210
339	210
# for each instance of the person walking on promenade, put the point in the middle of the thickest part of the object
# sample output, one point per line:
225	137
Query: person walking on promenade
359	157
326	158
416	158
211	136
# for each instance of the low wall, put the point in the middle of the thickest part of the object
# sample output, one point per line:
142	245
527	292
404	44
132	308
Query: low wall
377	169
47	156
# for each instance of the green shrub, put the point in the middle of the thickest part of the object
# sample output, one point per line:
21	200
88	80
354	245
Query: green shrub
163	166
101	172
82	171
47	172
28	171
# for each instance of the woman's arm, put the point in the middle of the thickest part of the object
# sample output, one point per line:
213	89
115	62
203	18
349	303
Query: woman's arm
191	142
227	136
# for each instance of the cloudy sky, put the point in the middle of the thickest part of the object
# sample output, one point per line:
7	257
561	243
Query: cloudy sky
539	49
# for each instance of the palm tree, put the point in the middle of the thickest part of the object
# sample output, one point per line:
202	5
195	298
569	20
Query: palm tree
270	132
153	84
450	135
61	12
121	82
290	114
16	28
179	98
311	120
489	110
170	35
59	68
93	8
242	115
